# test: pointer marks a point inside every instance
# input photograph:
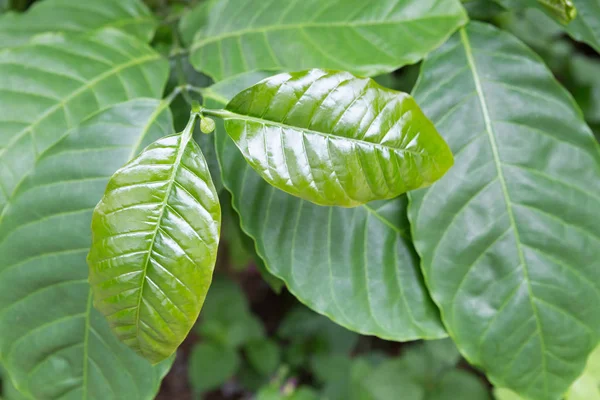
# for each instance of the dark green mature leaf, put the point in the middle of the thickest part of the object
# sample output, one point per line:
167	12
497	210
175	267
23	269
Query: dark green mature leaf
68	16
155	239
586	27
53	342
509	238
335	139
237	36
49	86
372	283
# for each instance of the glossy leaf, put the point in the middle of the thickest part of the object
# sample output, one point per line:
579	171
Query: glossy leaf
49	86
237	36
508	239
53	342
68	16
335	139
372	283
155	239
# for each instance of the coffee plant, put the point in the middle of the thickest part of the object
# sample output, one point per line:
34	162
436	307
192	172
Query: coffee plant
466	210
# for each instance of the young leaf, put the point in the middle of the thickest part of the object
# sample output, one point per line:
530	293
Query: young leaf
155	238
335	139
372	283
53	343
68	16
509	238
238	36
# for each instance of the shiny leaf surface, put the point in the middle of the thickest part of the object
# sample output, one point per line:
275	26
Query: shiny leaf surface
68	16
357	266
509	242
237	36
49	86
155	239
335	139
53	342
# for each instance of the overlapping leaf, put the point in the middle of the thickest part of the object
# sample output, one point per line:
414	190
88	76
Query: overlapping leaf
53	343
49	86
236	36
509	238
69	16
357	266
335	139
586	27
155	239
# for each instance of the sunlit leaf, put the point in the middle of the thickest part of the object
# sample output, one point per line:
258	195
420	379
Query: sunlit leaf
372	283
155	239
335	139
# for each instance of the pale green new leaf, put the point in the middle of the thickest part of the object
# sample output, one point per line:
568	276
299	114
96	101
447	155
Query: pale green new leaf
50	85
363	37
68	16
335	139
357	266
509	237
155	239
53	343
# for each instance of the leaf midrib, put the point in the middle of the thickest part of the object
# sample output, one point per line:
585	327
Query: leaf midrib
226	114
273	28
491	136
185	137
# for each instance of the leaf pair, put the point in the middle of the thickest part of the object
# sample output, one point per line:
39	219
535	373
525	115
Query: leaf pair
328	137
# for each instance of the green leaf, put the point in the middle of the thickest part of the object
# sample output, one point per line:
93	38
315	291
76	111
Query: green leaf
509	242
563	11
53	343
50	85
459	384
211	365
335	139
586	27
238	36
263	355
301	324
67	16
372	283
226	318
587	386
155	239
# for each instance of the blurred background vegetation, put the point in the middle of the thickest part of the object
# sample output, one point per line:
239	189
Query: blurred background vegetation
255	340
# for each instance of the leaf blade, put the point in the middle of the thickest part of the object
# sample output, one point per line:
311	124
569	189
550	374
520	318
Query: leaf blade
404	310
43	85
64	16
236	36
159	220
507	193
64	346
311	135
